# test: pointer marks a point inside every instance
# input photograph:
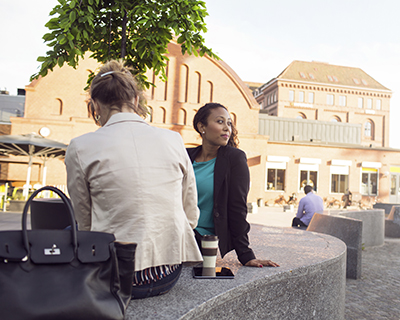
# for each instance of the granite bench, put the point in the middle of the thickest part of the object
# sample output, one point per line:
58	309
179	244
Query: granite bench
392	223
373	220
346	229
310	283
385	206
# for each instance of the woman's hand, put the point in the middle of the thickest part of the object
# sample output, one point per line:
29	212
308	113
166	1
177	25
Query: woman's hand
260	263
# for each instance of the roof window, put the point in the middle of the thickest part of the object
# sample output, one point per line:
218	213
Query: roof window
311	75
356	81
365	83
302	75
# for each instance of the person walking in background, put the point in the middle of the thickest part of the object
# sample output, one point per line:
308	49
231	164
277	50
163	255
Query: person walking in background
135	181
223	181
308	205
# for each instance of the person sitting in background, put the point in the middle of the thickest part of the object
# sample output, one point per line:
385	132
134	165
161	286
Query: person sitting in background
135	181
308	205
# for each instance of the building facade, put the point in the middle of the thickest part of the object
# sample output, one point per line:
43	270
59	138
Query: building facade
328	126
325	92
56	105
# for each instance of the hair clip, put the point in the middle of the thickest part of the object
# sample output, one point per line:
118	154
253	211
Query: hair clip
107	73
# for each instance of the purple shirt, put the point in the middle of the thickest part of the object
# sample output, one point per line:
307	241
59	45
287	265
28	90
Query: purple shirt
309	205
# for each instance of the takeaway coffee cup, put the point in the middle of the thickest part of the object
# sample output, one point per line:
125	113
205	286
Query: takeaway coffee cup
209	248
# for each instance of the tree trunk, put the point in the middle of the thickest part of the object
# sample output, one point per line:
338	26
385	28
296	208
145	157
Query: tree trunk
123	39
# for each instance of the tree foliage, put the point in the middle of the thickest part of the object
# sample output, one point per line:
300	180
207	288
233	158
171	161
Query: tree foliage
137	31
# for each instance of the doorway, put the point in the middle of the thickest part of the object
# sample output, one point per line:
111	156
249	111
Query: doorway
394	187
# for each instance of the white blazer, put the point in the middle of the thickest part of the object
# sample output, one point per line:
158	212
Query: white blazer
137	182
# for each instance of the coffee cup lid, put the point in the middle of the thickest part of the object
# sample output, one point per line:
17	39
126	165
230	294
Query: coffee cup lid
210	237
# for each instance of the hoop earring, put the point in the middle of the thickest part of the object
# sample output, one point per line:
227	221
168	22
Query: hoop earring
97	117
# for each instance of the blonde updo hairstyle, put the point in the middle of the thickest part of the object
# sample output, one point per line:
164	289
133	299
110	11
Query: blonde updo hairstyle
115	86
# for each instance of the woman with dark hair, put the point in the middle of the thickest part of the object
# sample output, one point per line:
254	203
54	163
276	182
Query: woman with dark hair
135	181
223	181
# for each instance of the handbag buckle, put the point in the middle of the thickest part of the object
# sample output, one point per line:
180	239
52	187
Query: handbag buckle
53	251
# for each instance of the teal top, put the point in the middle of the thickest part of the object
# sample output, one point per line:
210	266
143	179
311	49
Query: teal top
204	172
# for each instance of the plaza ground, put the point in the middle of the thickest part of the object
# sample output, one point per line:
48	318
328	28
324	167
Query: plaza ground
375	296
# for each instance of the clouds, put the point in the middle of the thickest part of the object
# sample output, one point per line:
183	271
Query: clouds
261	38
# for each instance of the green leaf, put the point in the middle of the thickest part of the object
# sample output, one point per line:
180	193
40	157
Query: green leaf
63	39
60	61
85	34
48	37
41	59
72	16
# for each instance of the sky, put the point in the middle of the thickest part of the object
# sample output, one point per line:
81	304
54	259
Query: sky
258	39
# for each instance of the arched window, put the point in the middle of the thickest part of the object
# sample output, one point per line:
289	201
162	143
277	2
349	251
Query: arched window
211	90
335	119
182	116
163	115
233	118
57	107
301	116
369	129
183	83
198	87
149	117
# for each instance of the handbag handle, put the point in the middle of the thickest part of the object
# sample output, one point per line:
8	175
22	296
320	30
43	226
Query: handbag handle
70	211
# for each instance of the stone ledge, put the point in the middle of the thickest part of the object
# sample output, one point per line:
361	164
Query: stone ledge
373	224
310	283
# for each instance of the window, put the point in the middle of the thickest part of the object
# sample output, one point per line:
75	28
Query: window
302	74
339	179
356	81
330	78
378	104
291	95
369	181
301	116
311	97
336	119
364	82
275	176
182	116
369	103
311	76
276	179
149	114
360	103
301	96
393	188
330	99
342	101
57	107
308	176
369	129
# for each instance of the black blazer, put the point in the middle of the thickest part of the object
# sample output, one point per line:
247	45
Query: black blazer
231	186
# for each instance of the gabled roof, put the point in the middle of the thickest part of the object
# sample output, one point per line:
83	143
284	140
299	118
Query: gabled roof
325	73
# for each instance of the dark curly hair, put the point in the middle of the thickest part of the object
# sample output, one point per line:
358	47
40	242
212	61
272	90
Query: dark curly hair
202	116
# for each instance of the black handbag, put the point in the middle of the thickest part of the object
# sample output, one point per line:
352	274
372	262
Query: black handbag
63	274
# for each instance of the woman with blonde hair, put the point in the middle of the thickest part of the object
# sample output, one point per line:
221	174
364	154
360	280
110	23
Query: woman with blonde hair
135	181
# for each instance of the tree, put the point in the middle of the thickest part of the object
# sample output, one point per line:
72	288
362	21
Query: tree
137	31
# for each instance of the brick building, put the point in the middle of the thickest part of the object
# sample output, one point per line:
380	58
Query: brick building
277	166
